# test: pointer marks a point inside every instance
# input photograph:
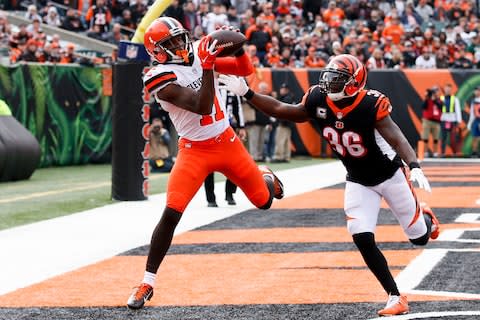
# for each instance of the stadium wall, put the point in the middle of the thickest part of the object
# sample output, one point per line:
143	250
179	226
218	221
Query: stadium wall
68	108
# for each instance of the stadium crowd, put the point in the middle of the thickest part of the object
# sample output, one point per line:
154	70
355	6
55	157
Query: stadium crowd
281	33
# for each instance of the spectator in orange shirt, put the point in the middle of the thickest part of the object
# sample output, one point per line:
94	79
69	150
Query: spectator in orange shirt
333	16
395	30
267	14
272	58
312	60
283	9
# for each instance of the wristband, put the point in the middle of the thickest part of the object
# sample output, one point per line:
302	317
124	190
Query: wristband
249	95
413	165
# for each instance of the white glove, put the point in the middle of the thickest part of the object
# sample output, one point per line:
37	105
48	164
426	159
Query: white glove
416	174
233	84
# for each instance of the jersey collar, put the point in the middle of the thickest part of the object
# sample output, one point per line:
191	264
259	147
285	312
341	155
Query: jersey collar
342	112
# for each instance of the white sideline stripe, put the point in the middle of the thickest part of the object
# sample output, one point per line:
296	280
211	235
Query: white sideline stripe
456	234
413	274
33	253
424	315
450	294
468	217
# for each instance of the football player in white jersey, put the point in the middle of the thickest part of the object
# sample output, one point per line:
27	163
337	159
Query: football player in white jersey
357	124
183	82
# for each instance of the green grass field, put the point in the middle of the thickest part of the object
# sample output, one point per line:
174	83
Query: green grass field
54	192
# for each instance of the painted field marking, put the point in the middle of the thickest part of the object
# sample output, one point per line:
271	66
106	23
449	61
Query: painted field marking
424	315
468	218
83	234
409	278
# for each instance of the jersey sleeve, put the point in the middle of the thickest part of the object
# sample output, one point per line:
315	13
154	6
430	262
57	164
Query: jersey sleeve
383	107
157	79
309	100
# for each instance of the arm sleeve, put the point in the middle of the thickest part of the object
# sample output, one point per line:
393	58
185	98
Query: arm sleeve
237	66
158	81
384	107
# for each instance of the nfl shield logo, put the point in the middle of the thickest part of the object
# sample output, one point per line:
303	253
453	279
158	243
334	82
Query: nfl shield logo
131	51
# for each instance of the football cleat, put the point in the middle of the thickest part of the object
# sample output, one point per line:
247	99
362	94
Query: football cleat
277	184
395	305
435	223
139	296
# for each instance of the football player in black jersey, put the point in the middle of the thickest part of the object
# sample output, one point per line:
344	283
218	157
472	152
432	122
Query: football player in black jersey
357	124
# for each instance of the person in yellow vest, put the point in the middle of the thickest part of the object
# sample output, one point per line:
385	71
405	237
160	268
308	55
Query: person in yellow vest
450	120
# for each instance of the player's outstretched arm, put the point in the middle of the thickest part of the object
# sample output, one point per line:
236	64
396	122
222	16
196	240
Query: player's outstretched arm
394	136
264	103
201	101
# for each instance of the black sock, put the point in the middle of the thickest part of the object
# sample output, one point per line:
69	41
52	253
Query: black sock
162	238
375	261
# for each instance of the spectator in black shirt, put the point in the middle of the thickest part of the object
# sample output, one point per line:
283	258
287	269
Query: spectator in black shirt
72	21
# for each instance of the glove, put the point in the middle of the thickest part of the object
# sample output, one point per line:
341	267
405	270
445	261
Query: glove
233	84
207	52
416	174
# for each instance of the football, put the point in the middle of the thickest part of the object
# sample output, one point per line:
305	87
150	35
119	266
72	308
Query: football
230	40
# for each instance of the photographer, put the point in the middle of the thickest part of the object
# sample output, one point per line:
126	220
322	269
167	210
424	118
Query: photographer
432	112
160	159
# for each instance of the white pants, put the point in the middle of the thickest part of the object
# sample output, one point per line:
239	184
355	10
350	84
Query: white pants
362	205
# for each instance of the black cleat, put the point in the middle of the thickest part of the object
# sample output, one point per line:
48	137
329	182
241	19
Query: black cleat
277	184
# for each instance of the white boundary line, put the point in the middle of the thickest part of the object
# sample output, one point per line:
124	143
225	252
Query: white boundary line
33	253
424	315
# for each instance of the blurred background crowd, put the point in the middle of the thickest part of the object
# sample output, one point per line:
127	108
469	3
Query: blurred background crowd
281	33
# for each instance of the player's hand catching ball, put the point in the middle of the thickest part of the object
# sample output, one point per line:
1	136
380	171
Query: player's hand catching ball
207	52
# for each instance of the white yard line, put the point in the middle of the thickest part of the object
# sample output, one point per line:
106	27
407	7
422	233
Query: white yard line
35	252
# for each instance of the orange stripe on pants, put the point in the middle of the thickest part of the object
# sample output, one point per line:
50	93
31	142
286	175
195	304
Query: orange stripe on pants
224	153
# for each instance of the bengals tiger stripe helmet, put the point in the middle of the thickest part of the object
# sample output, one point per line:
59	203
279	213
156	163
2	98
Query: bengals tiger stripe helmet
344	76
167	41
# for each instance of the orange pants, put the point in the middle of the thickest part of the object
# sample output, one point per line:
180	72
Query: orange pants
224	153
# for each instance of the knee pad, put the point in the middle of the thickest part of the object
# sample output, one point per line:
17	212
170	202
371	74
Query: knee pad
423	240
364	240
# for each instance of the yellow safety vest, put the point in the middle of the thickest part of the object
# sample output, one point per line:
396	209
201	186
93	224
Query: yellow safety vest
452	104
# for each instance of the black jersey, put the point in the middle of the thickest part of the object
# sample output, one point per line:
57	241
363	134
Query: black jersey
350	131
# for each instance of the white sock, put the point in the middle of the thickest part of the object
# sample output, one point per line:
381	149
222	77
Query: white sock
149	278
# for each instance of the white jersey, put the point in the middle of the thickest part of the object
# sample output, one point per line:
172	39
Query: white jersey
189	125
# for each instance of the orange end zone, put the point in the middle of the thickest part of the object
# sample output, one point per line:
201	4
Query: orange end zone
193	280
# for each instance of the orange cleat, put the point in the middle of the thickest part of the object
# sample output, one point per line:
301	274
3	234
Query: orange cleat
435	223
395	305
139	296
277	184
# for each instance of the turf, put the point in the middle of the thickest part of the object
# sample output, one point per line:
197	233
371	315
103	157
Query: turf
59	191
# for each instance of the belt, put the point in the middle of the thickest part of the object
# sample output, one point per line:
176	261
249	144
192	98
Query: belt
222	137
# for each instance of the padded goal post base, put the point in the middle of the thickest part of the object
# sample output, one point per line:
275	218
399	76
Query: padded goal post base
130	128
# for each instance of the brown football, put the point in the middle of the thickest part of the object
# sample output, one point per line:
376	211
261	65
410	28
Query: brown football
231	41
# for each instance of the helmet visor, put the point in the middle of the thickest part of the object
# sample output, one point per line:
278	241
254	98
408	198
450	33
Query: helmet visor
332	81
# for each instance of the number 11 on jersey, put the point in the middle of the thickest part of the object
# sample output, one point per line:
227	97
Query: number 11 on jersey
218	113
